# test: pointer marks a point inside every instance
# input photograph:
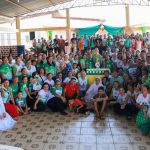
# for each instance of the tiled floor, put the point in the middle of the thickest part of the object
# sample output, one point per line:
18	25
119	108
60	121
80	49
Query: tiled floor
48	131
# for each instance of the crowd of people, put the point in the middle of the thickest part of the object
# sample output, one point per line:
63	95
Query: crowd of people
51	78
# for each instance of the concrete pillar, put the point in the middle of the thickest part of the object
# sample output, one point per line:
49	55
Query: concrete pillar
127	28
68	29
18	34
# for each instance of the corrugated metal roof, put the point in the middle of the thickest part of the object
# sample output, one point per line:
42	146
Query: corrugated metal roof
12	8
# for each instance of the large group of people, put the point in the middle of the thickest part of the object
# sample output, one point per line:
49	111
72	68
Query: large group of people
52	78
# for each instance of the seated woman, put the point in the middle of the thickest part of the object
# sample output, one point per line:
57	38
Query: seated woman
92	91
71	90
46	98
123	104
6	122
26	93
49	80
57	91
143	116
69	77
41	76
34	87
15	86
8	99
100	98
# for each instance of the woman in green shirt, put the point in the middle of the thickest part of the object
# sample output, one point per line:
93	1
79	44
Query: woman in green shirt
57	91
6	70
26	93
15	86
7	96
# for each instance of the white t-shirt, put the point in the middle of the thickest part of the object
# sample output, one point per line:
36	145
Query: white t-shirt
67	80
45	96
18	69
41	79
31	70
50	82
144	101
115	93
83	83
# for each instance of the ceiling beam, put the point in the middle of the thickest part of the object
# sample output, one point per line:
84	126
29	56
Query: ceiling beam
45	29
2	14
78	18
19	5
51	2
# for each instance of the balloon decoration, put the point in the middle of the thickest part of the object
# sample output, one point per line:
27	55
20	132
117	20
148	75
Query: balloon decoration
144	29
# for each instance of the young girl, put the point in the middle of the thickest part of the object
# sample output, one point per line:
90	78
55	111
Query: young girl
21	103
49	80
123	106
115	91
6	122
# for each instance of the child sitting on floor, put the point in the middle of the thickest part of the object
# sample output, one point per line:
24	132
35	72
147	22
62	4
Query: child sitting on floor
100	98
21	103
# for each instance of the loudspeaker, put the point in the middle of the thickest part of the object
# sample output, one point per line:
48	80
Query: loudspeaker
20	49
32	35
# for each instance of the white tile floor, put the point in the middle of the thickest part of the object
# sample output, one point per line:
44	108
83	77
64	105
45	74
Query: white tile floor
48	131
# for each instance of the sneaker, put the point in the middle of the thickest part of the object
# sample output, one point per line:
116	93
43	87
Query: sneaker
64	113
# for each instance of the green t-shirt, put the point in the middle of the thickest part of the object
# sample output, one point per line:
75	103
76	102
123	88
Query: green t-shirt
82	62
89	64
6	69
128	43
39	64
15	89
110	42
109	64
21	102
97	58
57	90
50	68
7	96
22	89
30	86
119	79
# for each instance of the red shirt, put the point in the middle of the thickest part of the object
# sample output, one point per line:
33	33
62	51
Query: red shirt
71	90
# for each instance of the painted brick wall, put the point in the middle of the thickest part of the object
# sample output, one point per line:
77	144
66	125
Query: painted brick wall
5	50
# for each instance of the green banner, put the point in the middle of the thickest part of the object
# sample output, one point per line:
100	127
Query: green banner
50	33
113	30
89	31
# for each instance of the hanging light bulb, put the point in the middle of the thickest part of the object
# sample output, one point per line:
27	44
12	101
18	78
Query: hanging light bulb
18	1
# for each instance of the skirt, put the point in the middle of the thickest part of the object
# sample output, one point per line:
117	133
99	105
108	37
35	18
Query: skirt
11	109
